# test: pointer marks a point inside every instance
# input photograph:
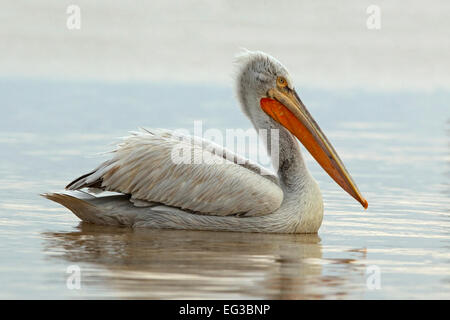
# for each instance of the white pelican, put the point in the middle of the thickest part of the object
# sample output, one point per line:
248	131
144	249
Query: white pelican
235	195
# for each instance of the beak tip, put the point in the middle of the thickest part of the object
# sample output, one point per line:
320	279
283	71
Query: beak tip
364	203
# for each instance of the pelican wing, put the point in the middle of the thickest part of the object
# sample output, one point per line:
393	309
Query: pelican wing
186	172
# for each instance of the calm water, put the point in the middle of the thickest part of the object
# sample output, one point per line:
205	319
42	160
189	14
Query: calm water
396	145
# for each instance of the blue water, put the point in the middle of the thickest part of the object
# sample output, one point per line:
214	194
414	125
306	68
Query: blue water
395	145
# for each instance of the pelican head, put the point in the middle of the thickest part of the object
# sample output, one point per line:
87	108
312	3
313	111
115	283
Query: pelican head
266	92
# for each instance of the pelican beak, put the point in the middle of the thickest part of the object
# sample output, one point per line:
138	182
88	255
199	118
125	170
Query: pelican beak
285	107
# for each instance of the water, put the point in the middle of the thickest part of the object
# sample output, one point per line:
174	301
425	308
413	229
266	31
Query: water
395	144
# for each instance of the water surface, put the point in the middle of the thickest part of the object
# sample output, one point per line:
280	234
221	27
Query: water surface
396	146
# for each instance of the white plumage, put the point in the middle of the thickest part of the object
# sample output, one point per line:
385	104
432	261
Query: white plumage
142	166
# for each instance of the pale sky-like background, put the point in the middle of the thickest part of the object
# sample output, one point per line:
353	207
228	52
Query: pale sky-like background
323	43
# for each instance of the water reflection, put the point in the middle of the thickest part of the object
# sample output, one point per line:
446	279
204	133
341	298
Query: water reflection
176	264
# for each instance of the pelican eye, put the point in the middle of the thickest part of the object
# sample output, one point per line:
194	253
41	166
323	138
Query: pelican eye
281	82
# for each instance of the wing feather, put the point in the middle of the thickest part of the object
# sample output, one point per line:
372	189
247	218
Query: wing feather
227	184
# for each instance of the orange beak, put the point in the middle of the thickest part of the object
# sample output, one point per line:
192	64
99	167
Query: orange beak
285	107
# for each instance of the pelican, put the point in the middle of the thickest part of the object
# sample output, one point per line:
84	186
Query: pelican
233	195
